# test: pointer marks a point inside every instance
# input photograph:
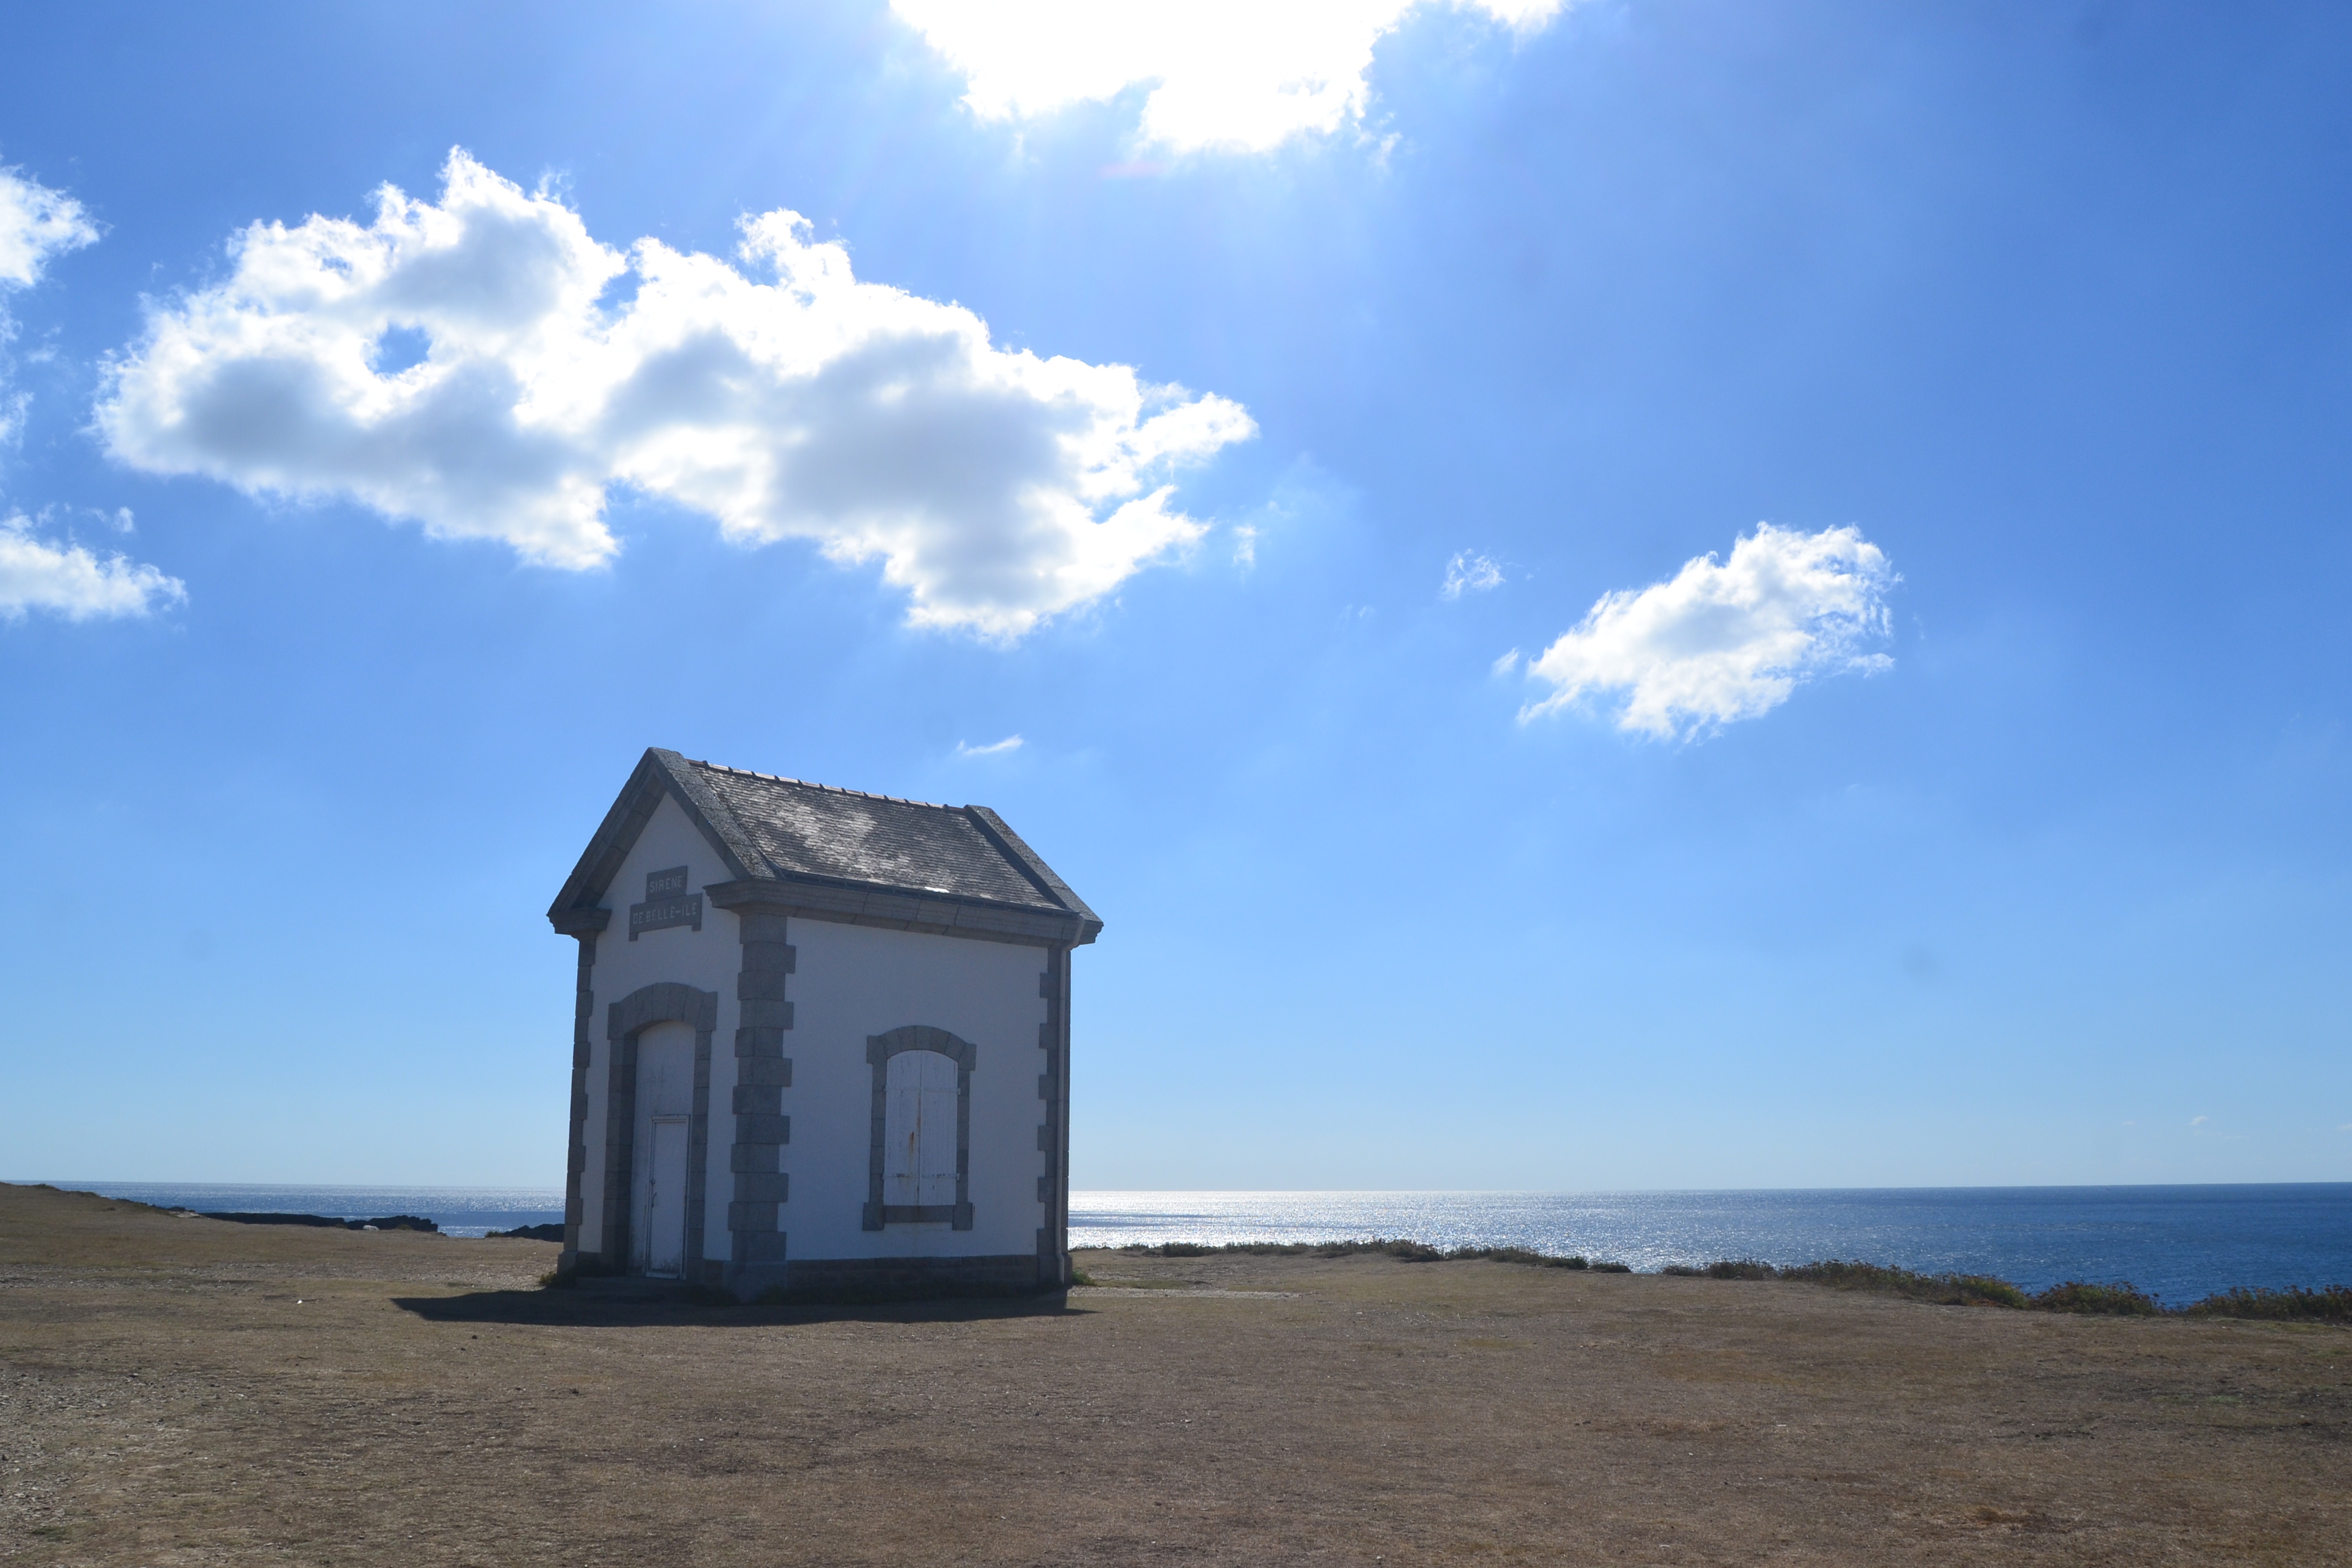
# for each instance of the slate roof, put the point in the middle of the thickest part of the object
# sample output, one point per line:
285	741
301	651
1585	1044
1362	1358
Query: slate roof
772	828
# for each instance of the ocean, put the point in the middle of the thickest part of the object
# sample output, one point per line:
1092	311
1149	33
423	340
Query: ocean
2177	1242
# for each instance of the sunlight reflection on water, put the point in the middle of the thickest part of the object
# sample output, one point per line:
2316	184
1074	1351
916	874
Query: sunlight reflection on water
2178	1242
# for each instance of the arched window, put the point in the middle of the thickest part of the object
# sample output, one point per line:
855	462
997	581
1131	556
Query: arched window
919	1164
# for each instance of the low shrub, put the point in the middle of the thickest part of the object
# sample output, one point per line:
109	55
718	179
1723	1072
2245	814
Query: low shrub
2101	1301
1944	1289
1725	1269
329	1222
1245	1248
1524	1255
1989	1291
2332	1305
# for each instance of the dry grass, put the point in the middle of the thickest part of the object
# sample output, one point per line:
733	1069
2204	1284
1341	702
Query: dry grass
184	1391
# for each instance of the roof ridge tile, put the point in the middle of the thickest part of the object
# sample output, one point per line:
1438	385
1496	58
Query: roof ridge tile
813	783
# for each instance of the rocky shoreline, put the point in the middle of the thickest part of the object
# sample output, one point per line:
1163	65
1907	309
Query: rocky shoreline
328	1222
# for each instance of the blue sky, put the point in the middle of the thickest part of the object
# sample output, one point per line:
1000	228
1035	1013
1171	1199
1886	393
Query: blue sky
1631	594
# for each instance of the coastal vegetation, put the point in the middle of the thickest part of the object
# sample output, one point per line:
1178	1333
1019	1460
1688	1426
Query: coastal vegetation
2333	1305
2119	1300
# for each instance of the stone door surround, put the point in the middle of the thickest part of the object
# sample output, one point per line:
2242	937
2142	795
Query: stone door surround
663	1002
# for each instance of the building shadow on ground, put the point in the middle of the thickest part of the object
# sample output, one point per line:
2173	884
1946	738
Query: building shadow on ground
605	1306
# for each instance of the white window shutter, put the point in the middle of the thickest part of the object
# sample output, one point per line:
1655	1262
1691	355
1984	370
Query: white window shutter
919	1138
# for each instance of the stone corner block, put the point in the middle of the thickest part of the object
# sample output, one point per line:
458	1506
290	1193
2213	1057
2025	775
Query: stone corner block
751	1127
763	1186
774	1071
748	1219
744	1157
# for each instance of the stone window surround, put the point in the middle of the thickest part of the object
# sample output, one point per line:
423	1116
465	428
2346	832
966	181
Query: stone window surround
879	1049
662	1002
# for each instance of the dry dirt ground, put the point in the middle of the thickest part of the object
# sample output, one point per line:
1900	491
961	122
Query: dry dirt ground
181	1391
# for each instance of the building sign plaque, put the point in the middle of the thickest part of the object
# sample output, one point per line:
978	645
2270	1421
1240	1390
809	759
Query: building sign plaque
668	904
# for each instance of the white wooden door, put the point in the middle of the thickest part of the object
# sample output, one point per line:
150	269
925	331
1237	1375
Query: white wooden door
665	1198
918	1124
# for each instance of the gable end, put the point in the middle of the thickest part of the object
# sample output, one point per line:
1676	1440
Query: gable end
658	774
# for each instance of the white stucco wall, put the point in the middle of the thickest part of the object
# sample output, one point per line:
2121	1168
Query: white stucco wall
707	960
857	981
850	982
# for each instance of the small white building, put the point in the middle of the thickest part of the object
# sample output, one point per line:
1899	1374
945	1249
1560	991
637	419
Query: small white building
821	1039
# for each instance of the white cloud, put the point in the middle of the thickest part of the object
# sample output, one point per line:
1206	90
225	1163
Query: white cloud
36	223
67	579
994	749
1724	641
1239	74
1469	572
37	574
996	487
1244	546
